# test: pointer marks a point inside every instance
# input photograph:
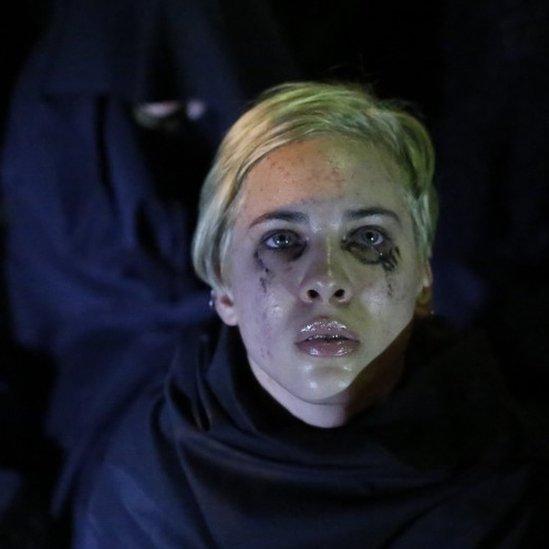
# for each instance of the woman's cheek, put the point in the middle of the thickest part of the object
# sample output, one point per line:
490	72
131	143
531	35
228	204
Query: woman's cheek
277	279
383	294
267	316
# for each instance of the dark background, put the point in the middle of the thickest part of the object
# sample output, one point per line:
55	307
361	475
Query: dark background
478	73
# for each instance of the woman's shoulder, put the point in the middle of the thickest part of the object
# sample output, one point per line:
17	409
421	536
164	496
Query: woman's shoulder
147	424
137	494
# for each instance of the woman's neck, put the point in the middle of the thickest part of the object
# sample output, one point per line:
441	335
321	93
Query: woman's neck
373	385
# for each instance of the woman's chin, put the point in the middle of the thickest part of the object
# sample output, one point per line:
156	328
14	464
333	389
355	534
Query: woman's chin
327	386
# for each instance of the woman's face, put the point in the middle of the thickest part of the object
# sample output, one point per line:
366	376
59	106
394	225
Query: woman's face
323	270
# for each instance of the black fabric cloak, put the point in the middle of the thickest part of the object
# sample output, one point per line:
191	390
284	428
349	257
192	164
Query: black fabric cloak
208	459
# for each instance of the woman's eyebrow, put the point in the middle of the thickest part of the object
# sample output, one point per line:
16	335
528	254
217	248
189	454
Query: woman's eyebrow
281	215
368	212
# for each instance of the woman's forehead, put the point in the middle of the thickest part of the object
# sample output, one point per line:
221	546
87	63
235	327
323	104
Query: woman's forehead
322	172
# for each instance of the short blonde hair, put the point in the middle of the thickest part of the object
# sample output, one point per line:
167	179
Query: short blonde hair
303	110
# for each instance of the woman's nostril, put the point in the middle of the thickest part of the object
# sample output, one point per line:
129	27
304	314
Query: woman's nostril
312	294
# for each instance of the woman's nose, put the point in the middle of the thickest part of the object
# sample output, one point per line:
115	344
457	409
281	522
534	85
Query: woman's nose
326	291
326	284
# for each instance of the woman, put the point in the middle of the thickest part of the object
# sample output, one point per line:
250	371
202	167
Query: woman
329	410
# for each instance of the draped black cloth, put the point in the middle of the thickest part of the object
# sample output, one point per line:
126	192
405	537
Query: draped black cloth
208	459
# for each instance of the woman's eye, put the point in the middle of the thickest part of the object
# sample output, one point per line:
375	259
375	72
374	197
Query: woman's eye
369	237
282	240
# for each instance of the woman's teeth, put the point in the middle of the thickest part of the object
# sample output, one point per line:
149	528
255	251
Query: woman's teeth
325	337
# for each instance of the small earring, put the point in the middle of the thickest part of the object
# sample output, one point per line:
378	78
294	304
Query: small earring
212	298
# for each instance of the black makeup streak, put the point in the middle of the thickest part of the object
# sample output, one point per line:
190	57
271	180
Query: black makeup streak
372	256
389	266
389	260
259	262
267	274
390	291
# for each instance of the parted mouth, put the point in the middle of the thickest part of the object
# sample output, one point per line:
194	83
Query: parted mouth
327	330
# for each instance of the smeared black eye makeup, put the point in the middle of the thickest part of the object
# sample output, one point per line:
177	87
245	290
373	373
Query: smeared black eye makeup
284	243
370	245
373	246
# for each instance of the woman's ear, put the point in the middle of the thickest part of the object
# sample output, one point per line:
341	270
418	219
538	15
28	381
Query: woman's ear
427	275
224	305
424	301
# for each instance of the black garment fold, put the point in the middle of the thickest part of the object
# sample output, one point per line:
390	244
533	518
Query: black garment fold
212	461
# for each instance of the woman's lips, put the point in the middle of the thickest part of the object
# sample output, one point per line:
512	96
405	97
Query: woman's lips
326	337
328	348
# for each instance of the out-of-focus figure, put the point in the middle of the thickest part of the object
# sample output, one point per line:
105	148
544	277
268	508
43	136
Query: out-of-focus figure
110	131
